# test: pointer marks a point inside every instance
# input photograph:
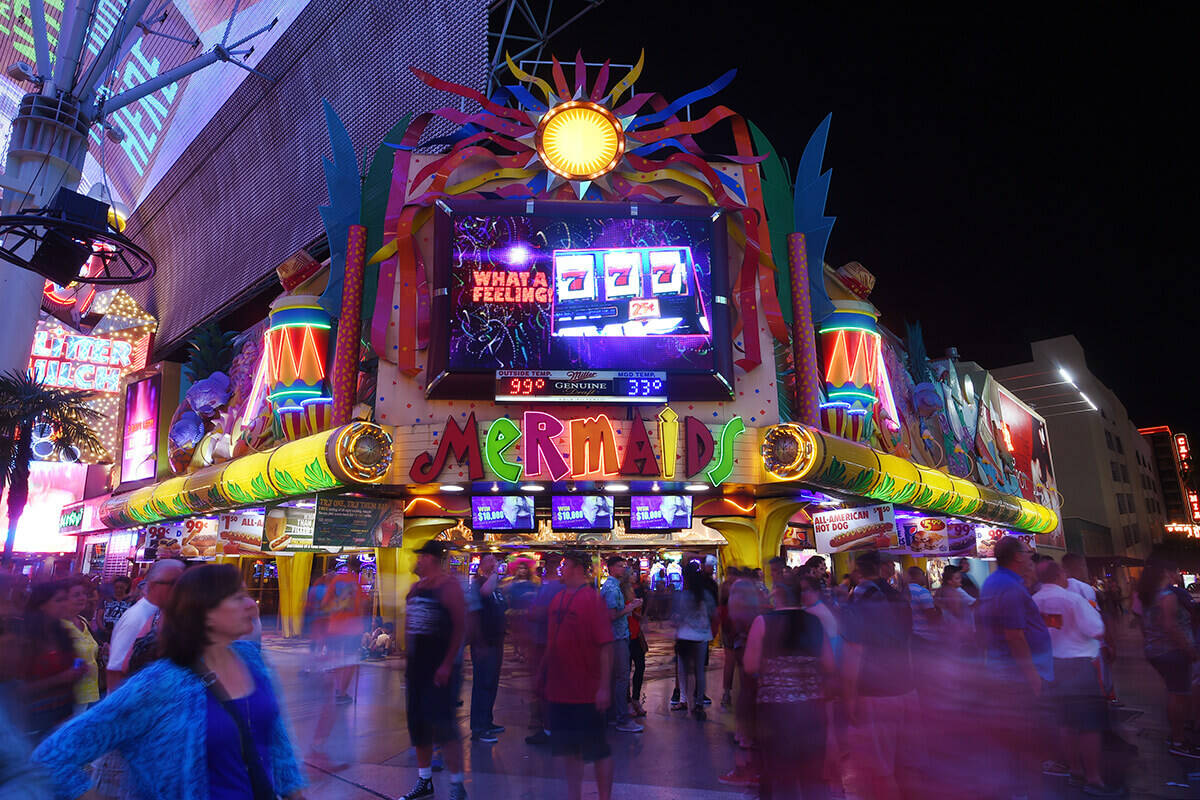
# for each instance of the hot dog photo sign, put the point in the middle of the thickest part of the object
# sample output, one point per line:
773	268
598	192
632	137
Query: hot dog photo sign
855	528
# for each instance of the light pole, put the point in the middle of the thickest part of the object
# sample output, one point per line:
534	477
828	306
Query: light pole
49	134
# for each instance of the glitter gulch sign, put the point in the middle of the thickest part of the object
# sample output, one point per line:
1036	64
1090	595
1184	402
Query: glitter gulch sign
582	448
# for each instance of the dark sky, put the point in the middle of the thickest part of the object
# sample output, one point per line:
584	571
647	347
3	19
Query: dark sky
1005	179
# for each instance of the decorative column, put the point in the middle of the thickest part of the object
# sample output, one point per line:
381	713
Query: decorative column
298	350
804	342
850	339
344	375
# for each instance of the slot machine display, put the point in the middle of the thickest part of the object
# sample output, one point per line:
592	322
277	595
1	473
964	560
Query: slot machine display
550	301
645	291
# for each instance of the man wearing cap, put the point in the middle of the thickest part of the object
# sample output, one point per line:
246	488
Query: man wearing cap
434	626
577	677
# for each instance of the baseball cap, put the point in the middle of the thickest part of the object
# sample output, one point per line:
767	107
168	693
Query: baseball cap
433	547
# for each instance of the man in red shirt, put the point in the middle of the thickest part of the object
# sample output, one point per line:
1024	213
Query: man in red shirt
578	674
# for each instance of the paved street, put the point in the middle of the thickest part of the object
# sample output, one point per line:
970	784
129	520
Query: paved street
675	757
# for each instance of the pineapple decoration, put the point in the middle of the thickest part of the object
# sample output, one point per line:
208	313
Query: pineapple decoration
211	351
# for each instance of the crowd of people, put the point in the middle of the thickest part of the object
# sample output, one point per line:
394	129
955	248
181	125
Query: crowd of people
829	688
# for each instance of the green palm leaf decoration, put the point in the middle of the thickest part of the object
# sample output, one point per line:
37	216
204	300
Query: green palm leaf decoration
239	495
260	489
286	483
318	477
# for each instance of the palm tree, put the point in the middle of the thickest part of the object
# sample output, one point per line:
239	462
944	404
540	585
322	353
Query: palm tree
25	403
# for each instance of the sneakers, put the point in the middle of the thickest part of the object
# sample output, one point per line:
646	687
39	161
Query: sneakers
541	737
630	727
1183	749
423	790
458	791
1056	768
739	776
487	737
726	701
707	700
675	695
678	706
1093	790
496	729
343	699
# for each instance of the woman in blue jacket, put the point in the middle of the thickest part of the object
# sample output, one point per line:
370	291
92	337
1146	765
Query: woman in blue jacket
202	722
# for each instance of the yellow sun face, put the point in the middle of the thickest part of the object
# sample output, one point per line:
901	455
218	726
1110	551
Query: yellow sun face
580	140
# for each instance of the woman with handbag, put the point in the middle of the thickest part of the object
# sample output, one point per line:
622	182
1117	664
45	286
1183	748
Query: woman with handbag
210	697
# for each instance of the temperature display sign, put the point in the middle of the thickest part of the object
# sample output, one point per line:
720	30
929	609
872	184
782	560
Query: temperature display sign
573	386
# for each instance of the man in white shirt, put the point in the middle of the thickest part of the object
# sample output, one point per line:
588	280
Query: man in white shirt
1075	633
1077	581
135	623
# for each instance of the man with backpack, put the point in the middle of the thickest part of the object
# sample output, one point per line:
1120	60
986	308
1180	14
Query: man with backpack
879	687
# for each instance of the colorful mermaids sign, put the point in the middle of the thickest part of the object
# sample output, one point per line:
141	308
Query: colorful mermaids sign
544	447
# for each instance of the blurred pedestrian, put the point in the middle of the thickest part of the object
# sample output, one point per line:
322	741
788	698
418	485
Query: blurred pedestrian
487	648
111	608
790	655
435	625
1019	667
1076	568
551	585
926	646
745	605
695	619
633	590
20	779
344	612
577	677
618	612
1075	632
1169	646
87	689
958	622
141	620
50	668
520	590
210	700
885	744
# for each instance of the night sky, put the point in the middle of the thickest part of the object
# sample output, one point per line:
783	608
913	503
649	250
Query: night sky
1005	179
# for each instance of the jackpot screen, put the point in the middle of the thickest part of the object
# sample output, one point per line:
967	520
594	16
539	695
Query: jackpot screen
572	292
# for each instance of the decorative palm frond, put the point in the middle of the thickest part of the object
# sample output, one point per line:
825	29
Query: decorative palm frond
24	403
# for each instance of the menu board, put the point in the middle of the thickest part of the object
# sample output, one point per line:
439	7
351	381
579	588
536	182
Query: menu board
987	537
359	522
856	528
94	565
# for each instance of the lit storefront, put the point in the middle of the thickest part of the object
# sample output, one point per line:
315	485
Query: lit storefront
594	341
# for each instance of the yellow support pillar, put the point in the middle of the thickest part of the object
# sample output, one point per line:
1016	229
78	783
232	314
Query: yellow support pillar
752	541
294	573
395	565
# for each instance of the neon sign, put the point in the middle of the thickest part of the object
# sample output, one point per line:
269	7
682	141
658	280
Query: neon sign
501	286
1183	451
583	448
1194	502
74	361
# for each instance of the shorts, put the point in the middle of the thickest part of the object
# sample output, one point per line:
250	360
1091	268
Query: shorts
1175	669
431	709
577	729
1081	704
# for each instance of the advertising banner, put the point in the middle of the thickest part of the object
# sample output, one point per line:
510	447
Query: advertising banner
854	528
962	539
242	532
588	512
926	536
93	564
189	538
987	537
139	439
502	513
359	522
288	528
660	512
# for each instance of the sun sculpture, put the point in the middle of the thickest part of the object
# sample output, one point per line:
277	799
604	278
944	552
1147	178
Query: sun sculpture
572	140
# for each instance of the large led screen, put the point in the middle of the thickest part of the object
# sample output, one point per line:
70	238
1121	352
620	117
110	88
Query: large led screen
139	441
585	512
660	512
574	288
502	513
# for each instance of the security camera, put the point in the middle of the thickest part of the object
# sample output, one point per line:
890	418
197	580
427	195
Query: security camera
115	135
21	72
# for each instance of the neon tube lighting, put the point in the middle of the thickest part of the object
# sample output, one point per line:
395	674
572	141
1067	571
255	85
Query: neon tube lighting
322	325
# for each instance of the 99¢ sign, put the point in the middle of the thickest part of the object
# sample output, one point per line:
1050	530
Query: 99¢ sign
856	528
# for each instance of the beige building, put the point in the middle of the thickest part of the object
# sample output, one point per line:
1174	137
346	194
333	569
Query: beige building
1112	497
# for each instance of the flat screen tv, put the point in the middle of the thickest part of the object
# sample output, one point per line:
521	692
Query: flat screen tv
548	300
660	512
503	513
581	512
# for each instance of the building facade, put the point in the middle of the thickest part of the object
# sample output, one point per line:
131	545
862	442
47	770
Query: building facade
1112	493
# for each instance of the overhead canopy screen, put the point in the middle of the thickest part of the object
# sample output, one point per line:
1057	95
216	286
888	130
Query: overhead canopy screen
157	128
